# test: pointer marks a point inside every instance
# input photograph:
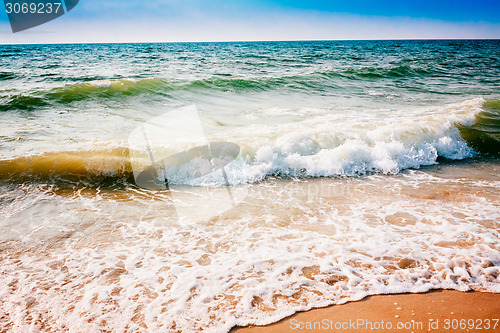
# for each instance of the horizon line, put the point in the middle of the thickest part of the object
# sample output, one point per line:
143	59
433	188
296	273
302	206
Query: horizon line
263	41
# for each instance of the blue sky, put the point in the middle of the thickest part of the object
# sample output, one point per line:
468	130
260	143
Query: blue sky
217	20
448	10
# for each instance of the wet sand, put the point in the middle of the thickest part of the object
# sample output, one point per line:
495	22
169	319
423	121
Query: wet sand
435	311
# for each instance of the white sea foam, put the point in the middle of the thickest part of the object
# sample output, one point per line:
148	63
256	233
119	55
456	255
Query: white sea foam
125	264
333	145
101	83
108	83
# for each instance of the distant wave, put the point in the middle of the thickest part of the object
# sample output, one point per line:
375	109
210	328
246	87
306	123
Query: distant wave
386	72
21	102
416	145
7	76
112	88
80	91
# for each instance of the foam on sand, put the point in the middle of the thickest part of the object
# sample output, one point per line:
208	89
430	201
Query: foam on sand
291	246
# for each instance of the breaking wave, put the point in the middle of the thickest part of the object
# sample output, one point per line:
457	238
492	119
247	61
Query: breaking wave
388	148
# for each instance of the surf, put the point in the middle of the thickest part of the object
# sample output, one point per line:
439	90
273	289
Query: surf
459	131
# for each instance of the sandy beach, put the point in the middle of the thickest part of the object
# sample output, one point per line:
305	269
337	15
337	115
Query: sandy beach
435	311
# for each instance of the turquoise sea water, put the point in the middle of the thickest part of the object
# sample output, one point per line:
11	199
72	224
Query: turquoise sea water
356	156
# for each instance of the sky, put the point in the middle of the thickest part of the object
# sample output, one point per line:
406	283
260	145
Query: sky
240	20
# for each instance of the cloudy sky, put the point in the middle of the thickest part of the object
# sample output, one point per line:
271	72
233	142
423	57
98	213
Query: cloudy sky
242	20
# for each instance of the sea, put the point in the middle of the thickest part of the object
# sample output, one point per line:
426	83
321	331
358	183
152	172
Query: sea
349	169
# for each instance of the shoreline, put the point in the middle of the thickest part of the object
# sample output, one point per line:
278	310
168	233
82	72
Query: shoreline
434	311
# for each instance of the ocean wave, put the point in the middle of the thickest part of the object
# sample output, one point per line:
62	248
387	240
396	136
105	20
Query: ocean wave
112	88
386	72
7	76
88	168
105	89
387	148
21	102
484	135
97	89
